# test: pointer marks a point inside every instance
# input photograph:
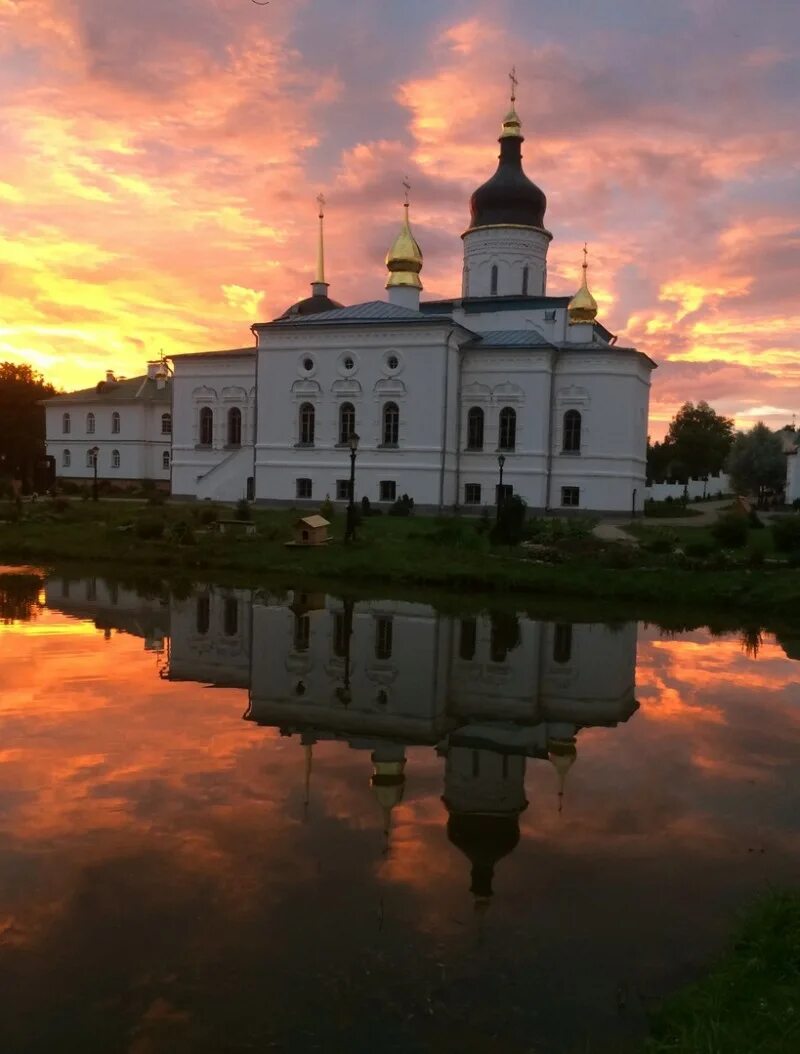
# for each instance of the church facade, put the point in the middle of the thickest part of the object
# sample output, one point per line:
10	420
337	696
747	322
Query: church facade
448	398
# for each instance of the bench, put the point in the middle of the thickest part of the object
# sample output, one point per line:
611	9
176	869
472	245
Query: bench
234	526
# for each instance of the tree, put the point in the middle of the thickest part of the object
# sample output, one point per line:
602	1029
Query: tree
22	427
757	463
699	440
659	460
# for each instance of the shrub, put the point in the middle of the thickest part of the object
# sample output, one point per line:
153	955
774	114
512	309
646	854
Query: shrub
156	499
366	508
327	509
69	486
730	531
620	557
243	511
455	534
755	557
660	541
149	528
753	519
699	550
60	505
485	521
510	526
181	533
786	533
404	506
208	514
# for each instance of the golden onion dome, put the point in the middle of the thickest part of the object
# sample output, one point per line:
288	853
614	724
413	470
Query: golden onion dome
388	782
512	126
583	306
562	754
404	259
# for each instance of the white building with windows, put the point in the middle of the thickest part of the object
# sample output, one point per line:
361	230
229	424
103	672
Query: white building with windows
123	423
445	396
504	385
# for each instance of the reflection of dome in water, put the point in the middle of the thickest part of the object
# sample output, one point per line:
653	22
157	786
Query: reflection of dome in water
484	840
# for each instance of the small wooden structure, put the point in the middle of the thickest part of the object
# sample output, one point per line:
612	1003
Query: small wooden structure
236	527
311	530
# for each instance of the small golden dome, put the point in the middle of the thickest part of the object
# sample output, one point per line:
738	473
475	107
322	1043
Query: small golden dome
583	306
404	259
562	755
511	124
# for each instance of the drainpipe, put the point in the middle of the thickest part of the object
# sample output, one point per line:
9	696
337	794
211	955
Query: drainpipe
444	417
550	430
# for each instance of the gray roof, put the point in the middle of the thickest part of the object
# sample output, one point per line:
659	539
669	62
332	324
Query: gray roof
251	350
510	338
371	311
132	389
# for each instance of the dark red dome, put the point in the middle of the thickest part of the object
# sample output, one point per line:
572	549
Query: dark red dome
312	305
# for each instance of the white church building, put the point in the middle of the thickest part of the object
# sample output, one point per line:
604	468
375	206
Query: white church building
448	398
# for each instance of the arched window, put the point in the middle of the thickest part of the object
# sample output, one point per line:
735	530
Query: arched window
66	424
165	459
203	613
525	273
90	424
508	429
115	423
307	424
91	458
115	458
231	617
347	422
234	426
475	429
572	432
66	459
562	642
494	280
206	426
391	424
166	424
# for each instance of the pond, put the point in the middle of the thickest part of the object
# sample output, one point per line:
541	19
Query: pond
235	821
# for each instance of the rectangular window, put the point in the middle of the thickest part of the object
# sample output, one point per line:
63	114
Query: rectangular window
303	488
468	639
472	493
383	638
342	489
570	497
387	490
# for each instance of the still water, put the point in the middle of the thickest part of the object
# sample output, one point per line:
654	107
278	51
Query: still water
233	822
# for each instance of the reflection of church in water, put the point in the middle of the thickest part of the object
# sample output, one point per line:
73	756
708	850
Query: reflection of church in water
488	692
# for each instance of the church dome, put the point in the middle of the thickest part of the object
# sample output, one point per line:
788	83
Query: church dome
484	839
509	197
583	306
404	259
311	305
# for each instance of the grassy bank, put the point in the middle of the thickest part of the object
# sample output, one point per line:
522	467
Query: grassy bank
402	553
750	1000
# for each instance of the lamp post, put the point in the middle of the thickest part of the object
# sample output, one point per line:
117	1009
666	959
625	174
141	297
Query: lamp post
501	460
94	451
350	530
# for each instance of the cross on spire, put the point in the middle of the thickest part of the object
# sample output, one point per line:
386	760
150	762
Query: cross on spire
514	82
585	255
407	187
321	202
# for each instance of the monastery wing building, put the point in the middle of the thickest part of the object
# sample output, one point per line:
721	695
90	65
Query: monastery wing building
502	385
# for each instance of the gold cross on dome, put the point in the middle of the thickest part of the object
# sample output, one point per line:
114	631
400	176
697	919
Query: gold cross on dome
407	186
514	82
321	203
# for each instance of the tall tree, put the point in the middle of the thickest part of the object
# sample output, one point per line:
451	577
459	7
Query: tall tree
699	439
757	463
22	428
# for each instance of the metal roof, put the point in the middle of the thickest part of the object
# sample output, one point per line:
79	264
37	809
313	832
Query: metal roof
132	389
371	311
510	338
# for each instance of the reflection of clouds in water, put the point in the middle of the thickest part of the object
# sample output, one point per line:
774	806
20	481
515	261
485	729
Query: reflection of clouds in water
142	820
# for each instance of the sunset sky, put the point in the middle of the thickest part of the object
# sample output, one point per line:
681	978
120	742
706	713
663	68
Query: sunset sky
160	161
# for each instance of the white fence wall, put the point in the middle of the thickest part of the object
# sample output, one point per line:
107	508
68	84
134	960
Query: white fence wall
720	484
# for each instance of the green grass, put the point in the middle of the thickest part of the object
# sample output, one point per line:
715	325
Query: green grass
667	510
404	554
749	1003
